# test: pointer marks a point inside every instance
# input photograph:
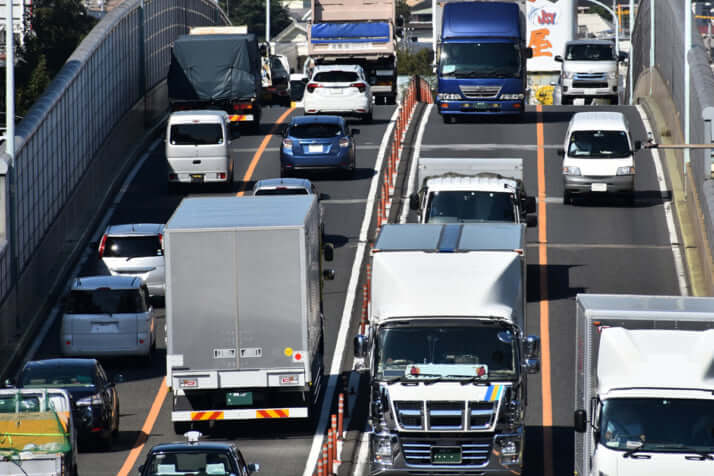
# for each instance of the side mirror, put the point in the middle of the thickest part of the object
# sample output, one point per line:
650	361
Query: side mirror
253	468
532	347
354	132
580	421
532	366
529	204
414	201
328	274
529	52
560	152
328	251
558	58
9	383
621	56
638	144
360	346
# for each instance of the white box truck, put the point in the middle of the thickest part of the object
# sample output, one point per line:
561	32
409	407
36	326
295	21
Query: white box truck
463	190
446	351
644	395
244	308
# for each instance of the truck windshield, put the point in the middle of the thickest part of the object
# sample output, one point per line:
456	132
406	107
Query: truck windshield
447	351
590	53
469	206
658	424
480	60
599	145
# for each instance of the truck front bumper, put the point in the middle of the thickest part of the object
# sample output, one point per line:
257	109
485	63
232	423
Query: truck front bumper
476	107
427	454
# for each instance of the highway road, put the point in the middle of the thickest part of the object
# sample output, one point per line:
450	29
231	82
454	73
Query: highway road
602	246
280	448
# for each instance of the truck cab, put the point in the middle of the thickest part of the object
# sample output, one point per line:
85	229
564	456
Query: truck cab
471	190
589	70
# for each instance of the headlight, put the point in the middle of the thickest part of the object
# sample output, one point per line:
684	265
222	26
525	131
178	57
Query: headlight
512	97
568	75
612	75
509	448
95	399
383	449
448	97
627	170
570	170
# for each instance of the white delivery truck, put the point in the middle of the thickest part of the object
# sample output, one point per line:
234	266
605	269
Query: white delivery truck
37	433
244	308
644	393
446	351
463	190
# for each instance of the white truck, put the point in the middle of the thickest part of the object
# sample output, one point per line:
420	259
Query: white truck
463	190
644	395
446	351
244	308
37	433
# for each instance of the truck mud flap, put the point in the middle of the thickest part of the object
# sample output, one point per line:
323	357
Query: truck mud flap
243	414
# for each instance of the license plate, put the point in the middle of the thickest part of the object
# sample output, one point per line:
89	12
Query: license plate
598	187
237	399
481	106
104	327
196	177
446	455
314	148
335	91
590	92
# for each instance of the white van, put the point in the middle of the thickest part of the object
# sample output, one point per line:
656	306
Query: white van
598	155
108	316
198	147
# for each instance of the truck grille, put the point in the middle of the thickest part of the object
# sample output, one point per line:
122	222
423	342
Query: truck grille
445	416
480	92
474	452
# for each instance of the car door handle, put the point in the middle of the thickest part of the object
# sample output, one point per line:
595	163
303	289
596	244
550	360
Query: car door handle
196	162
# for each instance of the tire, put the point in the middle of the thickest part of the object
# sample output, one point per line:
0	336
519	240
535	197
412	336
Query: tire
567	197
615	99
448	119
115	431
566	100
367	118
391	99
181	427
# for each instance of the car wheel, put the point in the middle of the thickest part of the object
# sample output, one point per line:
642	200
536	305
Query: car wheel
115	431
567	197
448	118
181	427
566	100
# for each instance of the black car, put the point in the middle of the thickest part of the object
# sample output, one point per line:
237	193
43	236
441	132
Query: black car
196	458
95	401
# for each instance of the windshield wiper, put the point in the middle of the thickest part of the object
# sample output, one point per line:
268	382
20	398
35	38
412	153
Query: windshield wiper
631	453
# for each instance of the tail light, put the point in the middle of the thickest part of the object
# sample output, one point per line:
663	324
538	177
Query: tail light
311	87
161	240
102	244
288	144
360	86
241	106
345	142
221	175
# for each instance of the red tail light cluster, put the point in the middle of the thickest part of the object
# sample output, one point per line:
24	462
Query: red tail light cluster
101	245
311	87
241	107
360	86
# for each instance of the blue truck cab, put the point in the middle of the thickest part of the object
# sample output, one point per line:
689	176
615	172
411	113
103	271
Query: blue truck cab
481	65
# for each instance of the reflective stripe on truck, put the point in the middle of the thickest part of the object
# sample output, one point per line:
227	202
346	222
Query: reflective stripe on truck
240	117
244	414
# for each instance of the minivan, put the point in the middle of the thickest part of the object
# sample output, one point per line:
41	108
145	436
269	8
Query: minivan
107	316
598	155
198	147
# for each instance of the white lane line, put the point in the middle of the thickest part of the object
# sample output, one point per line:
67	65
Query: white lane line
54	313
669	219
349	304
413	165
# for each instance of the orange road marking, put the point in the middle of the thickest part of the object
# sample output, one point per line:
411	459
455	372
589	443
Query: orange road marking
259	153
145	430
547	398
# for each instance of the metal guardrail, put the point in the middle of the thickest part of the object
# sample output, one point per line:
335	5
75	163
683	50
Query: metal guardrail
125	55
669	18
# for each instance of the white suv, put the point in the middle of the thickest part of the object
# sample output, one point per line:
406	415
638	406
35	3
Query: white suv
338	89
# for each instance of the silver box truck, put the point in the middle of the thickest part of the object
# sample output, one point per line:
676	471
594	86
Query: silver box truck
244	308
644	394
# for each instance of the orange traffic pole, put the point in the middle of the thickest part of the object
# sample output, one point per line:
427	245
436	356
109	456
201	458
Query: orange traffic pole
340	415
330	452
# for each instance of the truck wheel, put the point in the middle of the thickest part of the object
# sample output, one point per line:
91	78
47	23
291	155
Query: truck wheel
566	100
181	427
367	118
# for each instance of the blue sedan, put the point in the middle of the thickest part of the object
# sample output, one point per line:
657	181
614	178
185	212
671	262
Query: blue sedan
316	143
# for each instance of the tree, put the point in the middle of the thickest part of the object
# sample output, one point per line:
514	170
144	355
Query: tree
252	14
414	62
403	10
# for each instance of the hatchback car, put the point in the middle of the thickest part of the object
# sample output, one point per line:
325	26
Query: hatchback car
339	89
136	250
94	395
108	316
195	457
598	155
314	143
